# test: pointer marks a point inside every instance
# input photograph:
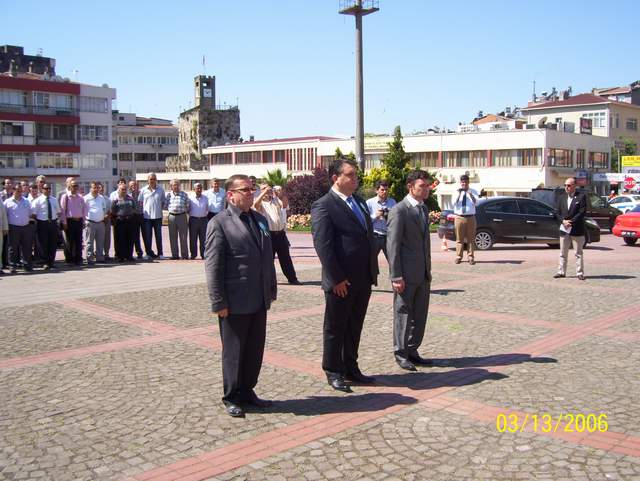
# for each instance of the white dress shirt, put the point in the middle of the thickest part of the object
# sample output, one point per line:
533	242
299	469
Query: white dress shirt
216	200
39	206
152	202
18	211
199	205
470	204
95	207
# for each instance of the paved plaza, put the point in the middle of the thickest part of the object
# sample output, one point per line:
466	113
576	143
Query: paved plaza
114	373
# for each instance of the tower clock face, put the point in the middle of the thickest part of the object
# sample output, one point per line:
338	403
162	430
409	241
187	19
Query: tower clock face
206	92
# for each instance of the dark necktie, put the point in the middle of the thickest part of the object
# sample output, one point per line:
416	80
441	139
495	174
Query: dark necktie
49	212
423	215
356	210
246	218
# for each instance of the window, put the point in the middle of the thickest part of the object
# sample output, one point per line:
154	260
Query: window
126	157
503	207
94	104
596	202
533	208
10	128
580	159
632	124
145	157
598	160
599	119
221	159
13	97
249	158
560	158
529	157
425	159
93	132
504	158
456	159
16	160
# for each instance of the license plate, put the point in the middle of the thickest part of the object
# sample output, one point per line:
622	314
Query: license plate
629	233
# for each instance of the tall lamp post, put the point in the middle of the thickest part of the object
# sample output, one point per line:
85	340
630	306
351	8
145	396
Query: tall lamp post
359	8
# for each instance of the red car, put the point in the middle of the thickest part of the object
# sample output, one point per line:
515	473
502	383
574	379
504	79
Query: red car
627	226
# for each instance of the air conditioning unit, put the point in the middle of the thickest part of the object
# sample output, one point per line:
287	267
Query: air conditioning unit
530	126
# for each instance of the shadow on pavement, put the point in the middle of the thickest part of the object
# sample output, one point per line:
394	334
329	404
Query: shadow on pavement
506	261
611	277
433	380
493	360
316	405
445	292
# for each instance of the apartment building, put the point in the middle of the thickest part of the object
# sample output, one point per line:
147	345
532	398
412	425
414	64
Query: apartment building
52	126
142	144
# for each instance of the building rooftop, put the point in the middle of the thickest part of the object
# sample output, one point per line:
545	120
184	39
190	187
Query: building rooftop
577	100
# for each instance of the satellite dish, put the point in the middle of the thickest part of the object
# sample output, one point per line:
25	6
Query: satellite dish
204	144
541	122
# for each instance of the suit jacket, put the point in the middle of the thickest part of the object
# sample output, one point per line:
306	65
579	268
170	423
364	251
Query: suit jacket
408	244
239	269
346	250
576	212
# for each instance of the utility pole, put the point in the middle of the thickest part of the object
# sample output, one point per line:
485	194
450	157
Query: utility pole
359	8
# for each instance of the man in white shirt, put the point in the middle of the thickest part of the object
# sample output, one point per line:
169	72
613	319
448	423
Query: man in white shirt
94	232
216	195
379	207
153	200
271	207
19	213
4	229
198	210
47	211
464	209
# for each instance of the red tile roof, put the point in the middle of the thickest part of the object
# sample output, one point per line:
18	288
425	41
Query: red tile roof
581	99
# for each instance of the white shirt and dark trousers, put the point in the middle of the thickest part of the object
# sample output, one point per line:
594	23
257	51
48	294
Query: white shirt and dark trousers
19	214
464	210
198	218
47	211
272	210
380	224
153	201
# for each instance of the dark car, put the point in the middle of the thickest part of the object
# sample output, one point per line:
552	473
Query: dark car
597	207
514	220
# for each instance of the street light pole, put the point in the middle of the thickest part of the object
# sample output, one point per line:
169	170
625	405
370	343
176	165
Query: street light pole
359	8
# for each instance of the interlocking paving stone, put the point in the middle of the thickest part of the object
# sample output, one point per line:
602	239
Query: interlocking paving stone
418	444
630	325
39	328
594	375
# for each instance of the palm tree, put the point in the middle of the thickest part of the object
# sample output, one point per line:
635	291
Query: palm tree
276	177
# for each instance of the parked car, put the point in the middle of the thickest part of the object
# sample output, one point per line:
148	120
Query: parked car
597	208
625	202
514	220
628	226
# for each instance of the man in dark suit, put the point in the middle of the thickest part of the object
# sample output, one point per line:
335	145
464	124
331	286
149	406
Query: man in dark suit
242	283
409	249
572	208
343	239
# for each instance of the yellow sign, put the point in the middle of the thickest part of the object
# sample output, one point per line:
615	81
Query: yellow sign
631	161
377	143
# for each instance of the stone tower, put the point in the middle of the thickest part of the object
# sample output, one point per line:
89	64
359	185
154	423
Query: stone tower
204	125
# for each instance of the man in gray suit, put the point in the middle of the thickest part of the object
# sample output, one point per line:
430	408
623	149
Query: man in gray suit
409	249
242	283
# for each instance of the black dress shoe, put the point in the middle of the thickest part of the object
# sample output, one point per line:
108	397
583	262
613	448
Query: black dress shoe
407	365
233	410
421	361
295	282
558	276
357	376
338	384
254	400
581	277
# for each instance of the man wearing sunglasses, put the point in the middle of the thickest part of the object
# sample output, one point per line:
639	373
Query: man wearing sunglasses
241	279
572	208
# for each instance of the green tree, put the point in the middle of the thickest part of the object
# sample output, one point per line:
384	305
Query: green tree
397	165
630	148
276	177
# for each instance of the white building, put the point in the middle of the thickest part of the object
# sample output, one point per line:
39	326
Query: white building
142	144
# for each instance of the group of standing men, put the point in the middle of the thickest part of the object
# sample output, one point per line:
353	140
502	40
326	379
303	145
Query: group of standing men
241	278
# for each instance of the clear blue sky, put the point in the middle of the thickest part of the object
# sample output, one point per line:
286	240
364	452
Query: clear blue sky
291	63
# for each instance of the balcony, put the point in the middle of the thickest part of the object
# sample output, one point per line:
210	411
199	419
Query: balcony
17	140
66	142
39	110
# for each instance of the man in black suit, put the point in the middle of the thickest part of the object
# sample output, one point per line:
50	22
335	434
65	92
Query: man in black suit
572	207
241	280
343	238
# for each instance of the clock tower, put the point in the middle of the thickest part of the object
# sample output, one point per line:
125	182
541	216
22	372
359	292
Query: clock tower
205	90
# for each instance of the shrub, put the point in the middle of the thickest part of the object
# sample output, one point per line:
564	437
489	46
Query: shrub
302	191
299	220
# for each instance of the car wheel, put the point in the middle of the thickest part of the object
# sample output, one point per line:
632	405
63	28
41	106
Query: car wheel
630	240
484	240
